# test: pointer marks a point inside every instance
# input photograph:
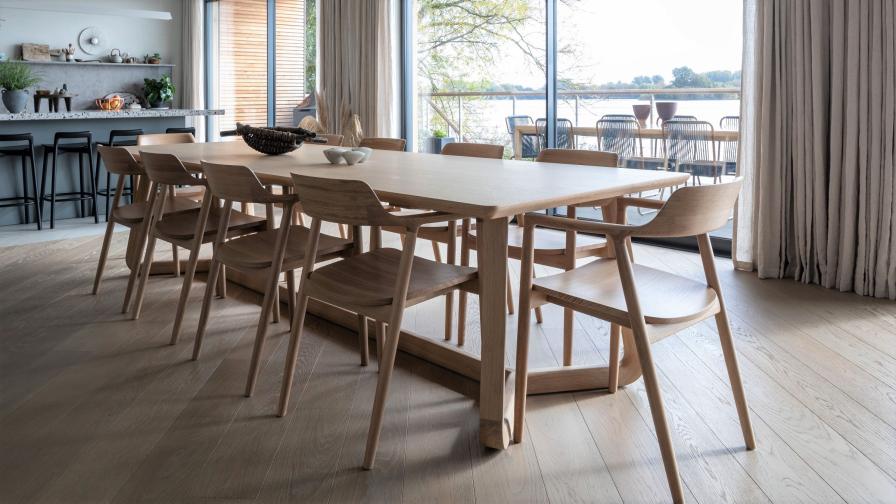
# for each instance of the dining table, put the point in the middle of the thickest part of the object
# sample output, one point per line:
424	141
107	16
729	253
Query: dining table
591	131
491	191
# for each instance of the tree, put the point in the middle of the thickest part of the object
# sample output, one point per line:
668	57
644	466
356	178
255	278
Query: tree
684	77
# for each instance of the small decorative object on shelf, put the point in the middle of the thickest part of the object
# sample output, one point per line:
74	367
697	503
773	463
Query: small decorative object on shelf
158	92
15	79
69	53
154	59
273	141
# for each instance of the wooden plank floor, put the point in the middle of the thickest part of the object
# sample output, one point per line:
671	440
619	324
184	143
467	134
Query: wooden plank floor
97	408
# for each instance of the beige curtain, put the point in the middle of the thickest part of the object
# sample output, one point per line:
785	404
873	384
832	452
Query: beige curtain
818	149
357	66
192	85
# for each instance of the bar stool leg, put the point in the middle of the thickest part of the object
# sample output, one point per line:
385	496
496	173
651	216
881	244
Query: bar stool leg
43	182
25	191
81	205
53	190
37	201
96	216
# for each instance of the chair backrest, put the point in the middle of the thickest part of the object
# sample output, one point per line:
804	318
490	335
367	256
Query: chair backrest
689	140
490	151
693	210
730	123
621	135
119	161
578	157
517	120
165	139
72	135
18	137
677	117
191	130
332	139
565	135
393	144
167	169
618	116
350	202
240	184
116	135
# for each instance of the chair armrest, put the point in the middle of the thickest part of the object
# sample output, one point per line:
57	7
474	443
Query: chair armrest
567	224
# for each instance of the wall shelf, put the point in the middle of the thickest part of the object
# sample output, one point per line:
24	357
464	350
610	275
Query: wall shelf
97	63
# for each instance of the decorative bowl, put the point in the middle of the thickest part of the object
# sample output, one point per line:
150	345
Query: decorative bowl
273	141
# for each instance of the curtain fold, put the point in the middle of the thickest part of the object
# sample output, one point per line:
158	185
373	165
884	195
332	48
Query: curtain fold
192	63
357	65
818	144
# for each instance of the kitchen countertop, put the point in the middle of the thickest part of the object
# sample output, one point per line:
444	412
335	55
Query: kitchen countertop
105	114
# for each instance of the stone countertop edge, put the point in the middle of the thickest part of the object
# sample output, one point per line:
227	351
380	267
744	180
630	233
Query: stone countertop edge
105	114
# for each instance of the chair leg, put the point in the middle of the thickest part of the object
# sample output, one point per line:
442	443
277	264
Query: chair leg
222	282
213	271
449	298
270	297
509	296
96	215
363	340
380	334
657	411
522	370
43	182
737	387
436	253
615	336
292	355
145	267
291	299
175	256
25	190
53	192
568	325
185	290
539	317
104	252
462	297
38	201
81	205
387	364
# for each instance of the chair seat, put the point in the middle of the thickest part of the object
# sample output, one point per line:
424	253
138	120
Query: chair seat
369	279
69	147
193	192
257	250
133	213
596	288
182	225
550	241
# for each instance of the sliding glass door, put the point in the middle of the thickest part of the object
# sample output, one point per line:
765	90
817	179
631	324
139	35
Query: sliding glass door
260	61
494	70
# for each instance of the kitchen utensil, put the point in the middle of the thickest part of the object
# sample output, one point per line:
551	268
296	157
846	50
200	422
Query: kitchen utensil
127	98
115	56
111	104
92	41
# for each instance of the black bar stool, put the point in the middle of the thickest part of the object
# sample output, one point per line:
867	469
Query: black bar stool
191	130
117	138
23	151
58	148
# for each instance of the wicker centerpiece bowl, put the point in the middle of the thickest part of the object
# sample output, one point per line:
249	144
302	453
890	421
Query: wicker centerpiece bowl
273	141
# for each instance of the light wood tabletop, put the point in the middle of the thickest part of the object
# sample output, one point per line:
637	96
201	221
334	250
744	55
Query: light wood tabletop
491	190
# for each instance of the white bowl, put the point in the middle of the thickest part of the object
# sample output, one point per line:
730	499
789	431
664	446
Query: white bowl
351	157
334	155
366	150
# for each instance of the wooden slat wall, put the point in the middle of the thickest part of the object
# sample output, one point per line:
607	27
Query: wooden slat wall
290	83
242	60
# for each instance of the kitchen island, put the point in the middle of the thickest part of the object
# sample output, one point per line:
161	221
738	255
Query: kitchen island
44	125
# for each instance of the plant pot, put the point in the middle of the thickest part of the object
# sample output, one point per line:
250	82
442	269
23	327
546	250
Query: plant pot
435	144
666	110
642	112
15	101
158	105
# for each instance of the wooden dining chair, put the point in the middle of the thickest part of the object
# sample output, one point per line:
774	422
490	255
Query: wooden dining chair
188	229
448	232
554	248
651	303
393	144
120	162
379	283
271	252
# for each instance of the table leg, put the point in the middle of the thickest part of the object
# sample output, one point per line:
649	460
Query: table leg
495	387
517	144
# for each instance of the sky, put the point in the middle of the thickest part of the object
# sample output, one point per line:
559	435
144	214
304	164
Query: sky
616	40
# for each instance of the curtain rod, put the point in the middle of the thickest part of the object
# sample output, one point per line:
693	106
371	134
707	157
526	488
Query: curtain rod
82	9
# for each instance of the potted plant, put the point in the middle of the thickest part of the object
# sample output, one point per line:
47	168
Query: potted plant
159	91
15	79
153	59
437	140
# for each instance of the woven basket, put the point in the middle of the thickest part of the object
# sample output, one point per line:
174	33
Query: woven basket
273	141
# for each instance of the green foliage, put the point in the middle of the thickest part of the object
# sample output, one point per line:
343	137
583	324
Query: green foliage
310	45
159	90
439	133
16	76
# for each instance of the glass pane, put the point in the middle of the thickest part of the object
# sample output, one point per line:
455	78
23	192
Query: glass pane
477	65
238	63
290	45
614	57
